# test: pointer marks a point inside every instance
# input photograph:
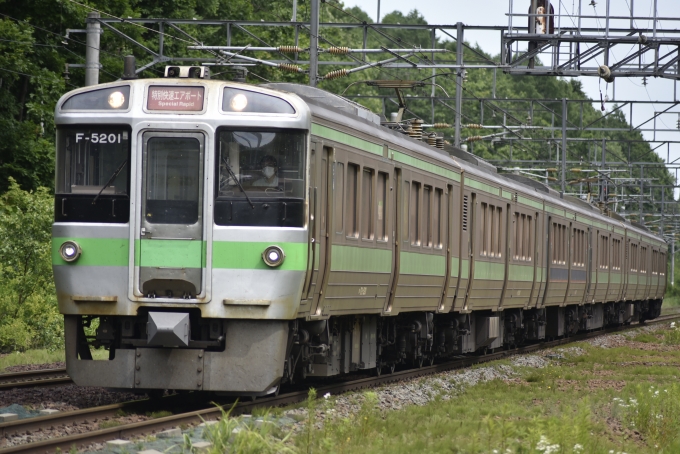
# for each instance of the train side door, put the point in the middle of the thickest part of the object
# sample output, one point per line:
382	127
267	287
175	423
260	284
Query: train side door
169	251
322	204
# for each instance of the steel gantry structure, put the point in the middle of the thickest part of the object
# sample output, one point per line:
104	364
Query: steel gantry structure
573	43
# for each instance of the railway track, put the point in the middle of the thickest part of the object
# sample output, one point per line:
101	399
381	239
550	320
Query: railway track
34	378
27	426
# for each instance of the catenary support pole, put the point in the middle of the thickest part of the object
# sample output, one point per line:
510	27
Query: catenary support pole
563	185
459	80
314	44
92	49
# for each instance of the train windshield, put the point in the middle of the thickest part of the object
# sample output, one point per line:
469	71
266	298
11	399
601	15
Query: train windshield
261	176
92	161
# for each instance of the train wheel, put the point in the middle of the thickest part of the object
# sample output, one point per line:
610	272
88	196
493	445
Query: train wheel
430	360
378	370
392	366
420	361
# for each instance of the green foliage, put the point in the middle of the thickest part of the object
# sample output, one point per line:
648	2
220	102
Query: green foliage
29	316
654	411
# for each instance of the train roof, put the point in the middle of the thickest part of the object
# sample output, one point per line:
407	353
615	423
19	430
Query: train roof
328	105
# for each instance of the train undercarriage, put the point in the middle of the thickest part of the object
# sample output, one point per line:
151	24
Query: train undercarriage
181	350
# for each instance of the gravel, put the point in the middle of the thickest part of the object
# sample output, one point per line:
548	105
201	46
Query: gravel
64	398
29	367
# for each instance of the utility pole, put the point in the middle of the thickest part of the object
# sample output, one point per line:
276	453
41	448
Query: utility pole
459	80
564	146
642	188
314	44
92	49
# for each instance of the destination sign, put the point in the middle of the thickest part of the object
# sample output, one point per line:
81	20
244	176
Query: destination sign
189	99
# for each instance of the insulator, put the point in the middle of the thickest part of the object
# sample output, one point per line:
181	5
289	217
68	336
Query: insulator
446	142
473	138
551	169
432	140
290	49
417	129
338	73
339	50
552	179
289	68
473	126
441	125
440	143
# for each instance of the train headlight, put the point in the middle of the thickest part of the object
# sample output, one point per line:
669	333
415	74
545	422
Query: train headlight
239	102
70	251
116	99
273	256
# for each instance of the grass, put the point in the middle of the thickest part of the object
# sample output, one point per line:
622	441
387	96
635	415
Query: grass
42	356
576	405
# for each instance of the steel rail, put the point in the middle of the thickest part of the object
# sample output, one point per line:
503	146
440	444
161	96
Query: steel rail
34	378
205	414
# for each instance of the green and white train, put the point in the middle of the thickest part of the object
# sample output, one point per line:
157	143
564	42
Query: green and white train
230	237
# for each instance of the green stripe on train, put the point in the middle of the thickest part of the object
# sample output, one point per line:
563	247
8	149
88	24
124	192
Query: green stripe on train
347	139
364	260
170	253
489	270
96	251
423	264
521	273
423	165
248	255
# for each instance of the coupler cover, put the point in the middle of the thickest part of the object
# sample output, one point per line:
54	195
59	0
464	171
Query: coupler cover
168	329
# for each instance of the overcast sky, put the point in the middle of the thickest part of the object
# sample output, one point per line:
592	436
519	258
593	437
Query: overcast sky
495	12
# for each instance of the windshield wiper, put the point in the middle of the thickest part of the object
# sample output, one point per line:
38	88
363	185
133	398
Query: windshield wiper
113	177
231	172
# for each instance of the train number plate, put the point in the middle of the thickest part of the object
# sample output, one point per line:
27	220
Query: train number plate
175	98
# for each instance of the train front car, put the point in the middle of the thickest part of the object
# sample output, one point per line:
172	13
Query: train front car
180	241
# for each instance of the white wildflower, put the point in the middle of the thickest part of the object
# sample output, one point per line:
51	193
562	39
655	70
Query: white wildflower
578	447
672	324
544	446
327	395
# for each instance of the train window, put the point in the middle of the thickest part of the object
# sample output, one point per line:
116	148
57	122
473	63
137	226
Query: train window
528	239
497	242
465	213
92	162
437	216
352	182
367	204
483	230
633	257
559	244
382	206
616	254
405	215
267	166
427	216
643	259
339	196
415	214
87	158
172	180
578	247
604	252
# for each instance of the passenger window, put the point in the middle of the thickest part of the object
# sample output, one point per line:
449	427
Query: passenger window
405	215
367	204
437	216
339	196
382	206
427	208
415	214
483	230
352	177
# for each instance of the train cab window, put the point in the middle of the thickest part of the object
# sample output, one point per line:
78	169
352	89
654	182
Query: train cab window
427	216
352	186
172	180
381	195
415	213
260	178
367	222
339	197
92	163
437	216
